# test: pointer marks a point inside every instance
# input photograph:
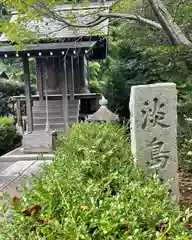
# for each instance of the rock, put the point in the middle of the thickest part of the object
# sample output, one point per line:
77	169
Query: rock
153	111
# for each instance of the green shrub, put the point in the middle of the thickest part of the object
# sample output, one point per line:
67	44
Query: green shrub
185	155
8	136
9	89
185	137
93	191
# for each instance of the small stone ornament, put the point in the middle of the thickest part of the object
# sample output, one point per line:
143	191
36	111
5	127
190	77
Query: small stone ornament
103	113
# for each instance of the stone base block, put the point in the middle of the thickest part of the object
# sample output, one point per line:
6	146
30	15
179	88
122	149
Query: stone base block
39	142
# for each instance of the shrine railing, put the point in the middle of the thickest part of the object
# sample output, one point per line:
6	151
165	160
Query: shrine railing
19	103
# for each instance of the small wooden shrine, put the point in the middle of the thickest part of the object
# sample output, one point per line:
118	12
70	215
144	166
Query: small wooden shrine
62	94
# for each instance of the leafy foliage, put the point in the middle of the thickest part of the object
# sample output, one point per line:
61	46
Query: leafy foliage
140	56
94	69
8	89
186	153
92	190
9	139
30	11
14	70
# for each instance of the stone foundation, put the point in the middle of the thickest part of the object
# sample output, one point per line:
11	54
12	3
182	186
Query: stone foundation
39	142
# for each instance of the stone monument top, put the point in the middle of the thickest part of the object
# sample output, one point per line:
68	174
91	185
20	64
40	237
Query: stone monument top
103	113
103	101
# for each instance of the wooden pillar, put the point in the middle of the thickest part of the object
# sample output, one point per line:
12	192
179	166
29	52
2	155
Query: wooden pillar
63	79
39	77
28	94
19	115
72	90
83	74
47	125
77	83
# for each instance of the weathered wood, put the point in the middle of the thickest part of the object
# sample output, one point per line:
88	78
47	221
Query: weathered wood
51	66
63	79
83	75
77	83
39	77
45	64
59	96
44	49
28	94
18	110
72	90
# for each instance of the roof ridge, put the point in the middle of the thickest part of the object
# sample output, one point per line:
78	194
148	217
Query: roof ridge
62	7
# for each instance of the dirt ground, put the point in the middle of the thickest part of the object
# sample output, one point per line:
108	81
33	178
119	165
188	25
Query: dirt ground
185	188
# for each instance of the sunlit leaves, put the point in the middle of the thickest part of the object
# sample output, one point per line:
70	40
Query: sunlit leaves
127	6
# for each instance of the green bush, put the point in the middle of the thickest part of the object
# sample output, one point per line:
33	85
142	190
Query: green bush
8	136
93	191
185	136
8	89
185	155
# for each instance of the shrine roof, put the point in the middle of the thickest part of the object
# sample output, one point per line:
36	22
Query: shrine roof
51	28
47	49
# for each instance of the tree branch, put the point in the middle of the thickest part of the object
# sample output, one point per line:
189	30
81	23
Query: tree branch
164	18
132	17
99	17
172	30
177	8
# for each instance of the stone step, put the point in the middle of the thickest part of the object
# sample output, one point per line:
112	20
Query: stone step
55	108
55	103
42	114
55	113
53	126
42	120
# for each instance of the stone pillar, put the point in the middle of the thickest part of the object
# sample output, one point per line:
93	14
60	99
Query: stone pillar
153	111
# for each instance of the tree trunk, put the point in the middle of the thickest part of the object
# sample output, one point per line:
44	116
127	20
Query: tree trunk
172	30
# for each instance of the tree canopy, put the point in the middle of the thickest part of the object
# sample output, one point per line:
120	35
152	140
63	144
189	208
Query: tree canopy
139	56
161	18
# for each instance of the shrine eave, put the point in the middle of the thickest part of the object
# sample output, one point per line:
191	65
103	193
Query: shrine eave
48	49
